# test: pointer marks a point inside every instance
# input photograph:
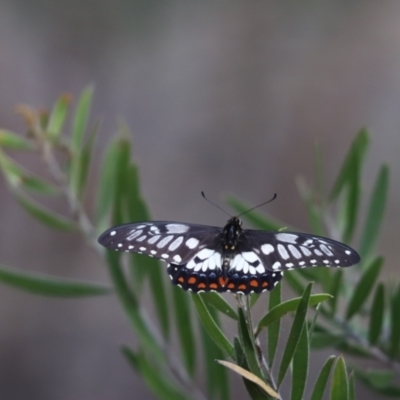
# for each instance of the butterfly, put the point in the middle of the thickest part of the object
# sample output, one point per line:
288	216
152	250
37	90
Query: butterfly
229	259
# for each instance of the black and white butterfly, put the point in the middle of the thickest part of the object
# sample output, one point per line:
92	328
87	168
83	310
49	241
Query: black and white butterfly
204	258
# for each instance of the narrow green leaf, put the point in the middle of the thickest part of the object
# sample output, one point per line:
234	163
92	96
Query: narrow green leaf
255	218
322	340
377	313
216	375
379	380
334	289
339	384
255	392
274	327
212	328
80	119
58	115
46	285
314	212
287	306
11	140
352	204
294	334
355	155
79	167
160	384
352	387
107	184
185	329
131	306
394	338
18	177
247	342
364	287
219	303
375	212
300	365
322	380
44	215
254	297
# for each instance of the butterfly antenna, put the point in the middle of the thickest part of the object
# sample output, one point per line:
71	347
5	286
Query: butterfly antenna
262	204
214	204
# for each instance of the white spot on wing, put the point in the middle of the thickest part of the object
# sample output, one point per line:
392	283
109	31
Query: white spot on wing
130	247
305	251
176	243
276	265
177	258
282	251
141	238
119	244
325	250
154	239
348	252
250	256
287	237
164	241
267	248
113	233
177	228
317	252
192	243
142	248
153	252
165	255
134	234
294	251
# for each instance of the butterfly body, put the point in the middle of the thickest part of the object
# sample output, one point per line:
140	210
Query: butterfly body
204	258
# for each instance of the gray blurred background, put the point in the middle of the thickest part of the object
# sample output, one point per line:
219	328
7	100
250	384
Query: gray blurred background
221	96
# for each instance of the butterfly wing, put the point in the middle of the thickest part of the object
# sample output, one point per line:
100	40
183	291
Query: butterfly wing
174	242
281	251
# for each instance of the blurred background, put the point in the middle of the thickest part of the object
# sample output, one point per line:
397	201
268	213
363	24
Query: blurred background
225	97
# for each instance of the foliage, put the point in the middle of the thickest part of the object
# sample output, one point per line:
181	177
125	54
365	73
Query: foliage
367	325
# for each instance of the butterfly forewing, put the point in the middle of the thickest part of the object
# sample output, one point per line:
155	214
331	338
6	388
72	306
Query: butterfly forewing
288	250
169	241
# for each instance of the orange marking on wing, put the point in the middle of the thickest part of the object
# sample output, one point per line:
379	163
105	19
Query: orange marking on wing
253	283
192	280
264	284
231	285
213	286
222	281
201	285
181	279
242	287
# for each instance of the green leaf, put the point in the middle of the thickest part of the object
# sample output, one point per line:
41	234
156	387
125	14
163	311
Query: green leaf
379	380
80	119
107	184
339	384
377	313
79	167
13	141
349	178
300	365
394	338
219	303
375	212
274	327
322	380
255	218
364	287
160	384
44	215
334	289
315	215
322	340
131	306
354	157
247	343
184	327
287	306
211	326
216	375
50	286
18	178
294	335
352	387
57	116
255	392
